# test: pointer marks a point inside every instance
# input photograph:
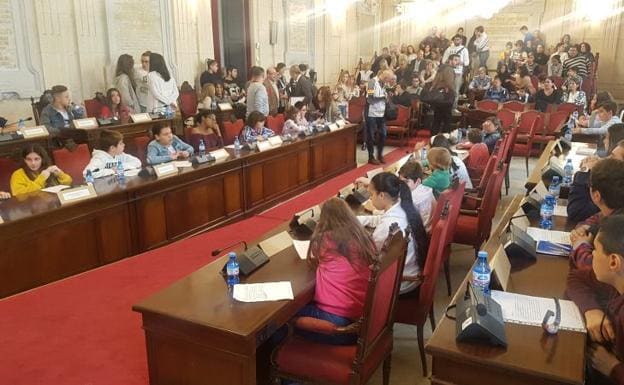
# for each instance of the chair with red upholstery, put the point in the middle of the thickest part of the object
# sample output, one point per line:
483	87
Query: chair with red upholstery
415	308
356	110
506	153
276	123
535	82
487	105
534	121
7	166
187	102
507	118
399	127
557	80
474	226
552	129
140	143
514	106
232	130
93	107
477	160
568	107
73	162
304	360
472	197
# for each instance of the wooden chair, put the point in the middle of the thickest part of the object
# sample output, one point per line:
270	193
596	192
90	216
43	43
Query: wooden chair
477	160
557	81
276	123
73	162
187	102
552	128
304	360
7	166
140	143
507	119
523	148
569	108
506	152
474	226
473	197
525	123
487	105
514	106
93	107
232	130
414	123
414	308
400	126
37	107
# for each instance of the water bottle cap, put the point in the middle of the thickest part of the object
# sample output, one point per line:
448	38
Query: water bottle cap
482	254
555	178
231	255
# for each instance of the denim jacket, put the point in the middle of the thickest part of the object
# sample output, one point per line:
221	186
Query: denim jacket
54	120
157	153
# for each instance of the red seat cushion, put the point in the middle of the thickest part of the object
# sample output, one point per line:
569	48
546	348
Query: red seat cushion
467	229
325	363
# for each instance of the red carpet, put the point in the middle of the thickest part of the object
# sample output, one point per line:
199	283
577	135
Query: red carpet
82	330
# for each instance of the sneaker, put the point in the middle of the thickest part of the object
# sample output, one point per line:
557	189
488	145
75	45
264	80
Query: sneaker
373	161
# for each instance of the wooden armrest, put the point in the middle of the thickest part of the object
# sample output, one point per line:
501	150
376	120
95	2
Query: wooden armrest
324	327
473	213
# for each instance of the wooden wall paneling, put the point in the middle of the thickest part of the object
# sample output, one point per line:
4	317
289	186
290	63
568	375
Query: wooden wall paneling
232	188
151	222
114	235
303	163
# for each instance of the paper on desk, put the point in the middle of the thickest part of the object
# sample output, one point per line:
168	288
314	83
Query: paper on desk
229	146
301	247
276	243
261	292
132	172
528	310
562	237
182	163
585	151
55	189
561	211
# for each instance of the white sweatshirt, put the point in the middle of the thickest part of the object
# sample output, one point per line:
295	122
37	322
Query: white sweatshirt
103	164
161	93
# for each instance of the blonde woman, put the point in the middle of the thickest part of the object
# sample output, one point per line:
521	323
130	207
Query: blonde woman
206	97
345	91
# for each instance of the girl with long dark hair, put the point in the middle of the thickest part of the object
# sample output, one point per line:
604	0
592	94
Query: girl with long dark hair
36	172
124	82
163	90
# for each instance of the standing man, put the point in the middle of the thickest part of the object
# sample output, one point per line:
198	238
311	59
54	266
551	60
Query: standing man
457	56
528	36
272	91
375	110
140	81
301	86
577	61
257	97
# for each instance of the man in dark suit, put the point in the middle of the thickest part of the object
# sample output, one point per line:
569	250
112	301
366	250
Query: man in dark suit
270	83
301	86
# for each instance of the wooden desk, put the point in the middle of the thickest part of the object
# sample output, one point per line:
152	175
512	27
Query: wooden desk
13	148
197	334
43	242
530	358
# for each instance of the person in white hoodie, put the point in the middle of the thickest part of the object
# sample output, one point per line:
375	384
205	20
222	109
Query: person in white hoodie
105	159
163	90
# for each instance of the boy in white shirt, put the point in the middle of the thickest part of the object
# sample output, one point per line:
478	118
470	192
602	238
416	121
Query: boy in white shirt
104	161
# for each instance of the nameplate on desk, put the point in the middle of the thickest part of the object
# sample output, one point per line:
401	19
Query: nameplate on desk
139	118
275	141
76	194
501	267
35	132
341	123
276	243
219	154
225	106
85	124
165	169
333	127
264	145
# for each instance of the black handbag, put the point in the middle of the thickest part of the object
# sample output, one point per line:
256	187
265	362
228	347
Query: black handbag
392	112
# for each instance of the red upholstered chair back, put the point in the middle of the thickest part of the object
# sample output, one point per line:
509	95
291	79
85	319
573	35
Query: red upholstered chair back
508	145
507	118
276	123
453	194
490	201
556	121
487	174
557	80
232	130
535	82
487	105
187	101
525	122
7	166
93	107
73	162
140	144
383	289
403	115
514	105
567	107
477	160
356	112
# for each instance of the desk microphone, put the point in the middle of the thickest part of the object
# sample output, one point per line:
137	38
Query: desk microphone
303	230
4	123
216	252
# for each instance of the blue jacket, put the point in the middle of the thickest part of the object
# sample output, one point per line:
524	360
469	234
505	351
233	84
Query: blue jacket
54	120
157	153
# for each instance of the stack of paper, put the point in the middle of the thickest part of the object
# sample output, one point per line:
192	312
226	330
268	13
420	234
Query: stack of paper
551	242
262	292
528	310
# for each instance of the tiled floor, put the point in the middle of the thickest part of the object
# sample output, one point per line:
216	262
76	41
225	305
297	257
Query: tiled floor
406	368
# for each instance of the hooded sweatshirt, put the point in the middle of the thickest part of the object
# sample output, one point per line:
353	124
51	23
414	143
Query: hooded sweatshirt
103	164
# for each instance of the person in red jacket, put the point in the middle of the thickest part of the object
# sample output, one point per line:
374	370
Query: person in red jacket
599	294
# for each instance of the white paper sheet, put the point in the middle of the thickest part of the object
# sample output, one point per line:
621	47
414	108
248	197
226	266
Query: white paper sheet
55	189
585	151
528	310
182	163
261	292
132	172
561	211
276	243
301	247
554	236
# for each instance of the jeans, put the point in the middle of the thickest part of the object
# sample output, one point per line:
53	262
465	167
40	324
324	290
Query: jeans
375	125
483	58
344	111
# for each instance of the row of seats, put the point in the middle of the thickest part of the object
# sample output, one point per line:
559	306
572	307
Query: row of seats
516	106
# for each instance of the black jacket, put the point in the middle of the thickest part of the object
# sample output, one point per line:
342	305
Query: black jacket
580	205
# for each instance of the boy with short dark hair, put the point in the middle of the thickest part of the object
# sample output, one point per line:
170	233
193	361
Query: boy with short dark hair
166	146
598	294
105	159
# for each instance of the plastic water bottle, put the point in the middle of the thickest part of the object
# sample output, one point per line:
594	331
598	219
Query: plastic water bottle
213	105
555	187
568	172
202	148
575	115
481	273
232	269
21	124
119	171
237	145
547	210
568	134
168	112
89	177
423	154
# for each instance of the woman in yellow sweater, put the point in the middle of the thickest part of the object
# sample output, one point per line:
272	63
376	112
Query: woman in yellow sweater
37	172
